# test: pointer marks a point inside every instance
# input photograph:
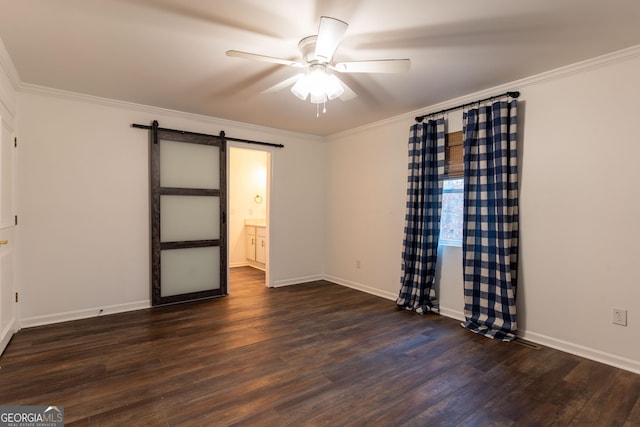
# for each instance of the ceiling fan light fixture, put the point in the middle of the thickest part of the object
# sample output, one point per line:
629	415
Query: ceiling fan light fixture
301	88
318	84
318	97
333	88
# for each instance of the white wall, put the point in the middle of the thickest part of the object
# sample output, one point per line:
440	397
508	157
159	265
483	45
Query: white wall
580	206
366	173
579	203
84	211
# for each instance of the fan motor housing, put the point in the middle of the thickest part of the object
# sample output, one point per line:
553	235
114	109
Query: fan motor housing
307	47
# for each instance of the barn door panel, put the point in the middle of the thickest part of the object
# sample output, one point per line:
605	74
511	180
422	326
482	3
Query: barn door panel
188	216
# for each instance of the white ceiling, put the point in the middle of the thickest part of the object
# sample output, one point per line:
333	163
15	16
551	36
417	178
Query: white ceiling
171	53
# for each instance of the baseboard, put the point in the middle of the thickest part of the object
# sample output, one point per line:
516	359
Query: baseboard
361	287
567	347
83	314
453	314
6	334
578	350
296	281
238	264
447	312
256	264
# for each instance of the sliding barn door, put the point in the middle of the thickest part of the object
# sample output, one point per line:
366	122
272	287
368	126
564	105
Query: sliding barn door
188	216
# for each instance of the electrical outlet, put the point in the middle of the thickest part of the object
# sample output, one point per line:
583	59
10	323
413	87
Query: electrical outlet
358	263
619	317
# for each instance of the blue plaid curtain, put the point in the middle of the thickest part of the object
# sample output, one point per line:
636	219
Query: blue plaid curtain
490	233
422	220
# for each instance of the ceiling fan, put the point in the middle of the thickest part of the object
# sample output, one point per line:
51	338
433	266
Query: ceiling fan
317	82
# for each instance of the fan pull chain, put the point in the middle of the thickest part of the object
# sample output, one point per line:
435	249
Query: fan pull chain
324	109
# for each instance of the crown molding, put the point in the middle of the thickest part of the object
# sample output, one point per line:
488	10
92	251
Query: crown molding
8	66
521	84
558	73
9	82
210	120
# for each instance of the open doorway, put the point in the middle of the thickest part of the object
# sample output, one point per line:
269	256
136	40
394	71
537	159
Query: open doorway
248	202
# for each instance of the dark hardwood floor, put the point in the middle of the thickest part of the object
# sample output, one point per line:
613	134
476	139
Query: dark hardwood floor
310	354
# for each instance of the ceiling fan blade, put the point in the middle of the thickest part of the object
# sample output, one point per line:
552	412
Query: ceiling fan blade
283	84
330	33
374	66
254	56
348	93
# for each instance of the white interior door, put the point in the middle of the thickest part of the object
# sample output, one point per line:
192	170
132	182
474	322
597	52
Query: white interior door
8	317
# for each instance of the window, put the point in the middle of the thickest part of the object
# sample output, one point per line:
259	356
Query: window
452	196
452	212
454	167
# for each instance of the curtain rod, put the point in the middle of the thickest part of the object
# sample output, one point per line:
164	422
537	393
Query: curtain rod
513	94
222	135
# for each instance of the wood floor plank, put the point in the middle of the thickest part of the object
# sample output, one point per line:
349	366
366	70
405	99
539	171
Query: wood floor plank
306	355
634	416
